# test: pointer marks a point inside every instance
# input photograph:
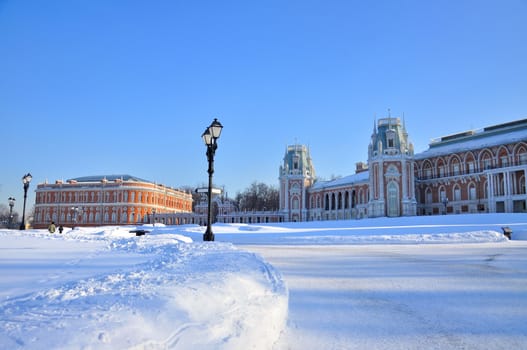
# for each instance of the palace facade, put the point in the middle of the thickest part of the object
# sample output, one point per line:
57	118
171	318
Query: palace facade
474	171
108	200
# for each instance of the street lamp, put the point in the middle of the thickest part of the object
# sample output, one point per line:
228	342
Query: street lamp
210	137
153	216
25	180
445	202
76	212
11	205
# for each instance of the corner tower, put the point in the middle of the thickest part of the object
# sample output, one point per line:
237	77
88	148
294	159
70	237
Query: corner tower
297	174
391	164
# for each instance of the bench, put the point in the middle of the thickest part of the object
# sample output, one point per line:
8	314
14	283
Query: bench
507	231
139	232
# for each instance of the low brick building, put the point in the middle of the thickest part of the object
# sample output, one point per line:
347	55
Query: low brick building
107	200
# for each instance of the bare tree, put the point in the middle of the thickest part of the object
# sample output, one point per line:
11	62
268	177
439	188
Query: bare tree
258	196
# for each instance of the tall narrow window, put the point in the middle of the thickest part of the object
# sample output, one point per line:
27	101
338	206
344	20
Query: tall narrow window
504	161
428	196
472	192
457	194
486	163
455	168
393	199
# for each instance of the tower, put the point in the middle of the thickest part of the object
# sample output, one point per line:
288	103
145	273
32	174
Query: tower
391	164
297	174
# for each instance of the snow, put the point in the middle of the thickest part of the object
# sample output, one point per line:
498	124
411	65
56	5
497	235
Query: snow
477	141
451	281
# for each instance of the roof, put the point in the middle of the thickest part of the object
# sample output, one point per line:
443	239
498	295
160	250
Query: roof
477	139
342	181
99	178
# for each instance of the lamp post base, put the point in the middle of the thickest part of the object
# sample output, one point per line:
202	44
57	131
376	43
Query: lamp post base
208	236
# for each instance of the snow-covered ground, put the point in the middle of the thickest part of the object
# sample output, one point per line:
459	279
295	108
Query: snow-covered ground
449	281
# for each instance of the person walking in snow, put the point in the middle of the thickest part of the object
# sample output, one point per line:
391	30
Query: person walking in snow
61	228
51	227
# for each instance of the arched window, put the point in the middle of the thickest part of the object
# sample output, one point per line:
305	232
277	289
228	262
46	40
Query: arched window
393	199
472	194
456	168
427	170
296	203
485	160
457	193
503	157
428	196
442	194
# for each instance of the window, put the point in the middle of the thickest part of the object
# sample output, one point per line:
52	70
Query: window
393	199
471	167
428	196
442	194
428	172
296	204
472	192
455	168
457	194
504	161
390	139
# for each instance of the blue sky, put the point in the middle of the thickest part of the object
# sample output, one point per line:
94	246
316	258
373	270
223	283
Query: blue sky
110	87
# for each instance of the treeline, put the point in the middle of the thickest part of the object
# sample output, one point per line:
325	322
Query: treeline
258	197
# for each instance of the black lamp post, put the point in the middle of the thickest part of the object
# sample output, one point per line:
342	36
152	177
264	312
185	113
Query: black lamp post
76	211
25	180
11	205
210	137
445	203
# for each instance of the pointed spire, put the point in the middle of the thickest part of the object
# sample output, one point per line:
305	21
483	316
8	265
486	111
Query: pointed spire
404	126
